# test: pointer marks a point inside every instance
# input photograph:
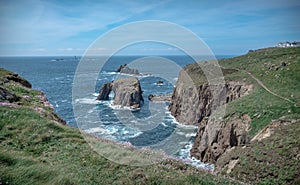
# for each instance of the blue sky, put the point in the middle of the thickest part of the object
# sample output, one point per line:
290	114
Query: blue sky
34	27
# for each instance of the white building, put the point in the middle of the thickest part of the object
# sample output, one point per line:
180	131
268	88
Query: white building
288	44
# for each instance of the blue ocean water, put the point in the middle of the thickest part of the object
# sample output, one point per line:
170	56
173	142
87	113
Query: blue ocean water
55	78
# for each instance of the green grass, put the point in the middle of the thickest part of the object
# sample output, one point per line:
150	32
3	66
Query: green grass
274	160
37	149
259	62
34	150
259	101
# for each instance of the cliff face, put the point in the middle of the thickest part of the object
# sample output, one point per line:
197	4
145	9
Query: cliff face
16	92
128	92
213	139
193	104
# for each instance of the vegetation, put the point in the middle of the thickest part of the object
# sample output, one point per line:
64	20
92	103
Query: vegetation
36	148
274	72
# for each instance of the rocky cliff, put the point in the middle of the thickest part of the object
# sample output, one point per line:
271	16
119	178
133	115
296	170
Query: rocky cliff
193	103
213	139
127	92
16	92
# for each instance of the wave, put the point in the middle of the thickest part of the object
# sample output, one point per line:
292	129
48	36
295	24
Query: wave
119	107
184	155
87	101
95	130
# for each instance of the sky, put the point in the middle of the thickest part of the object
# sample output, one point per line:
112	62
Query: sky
68	28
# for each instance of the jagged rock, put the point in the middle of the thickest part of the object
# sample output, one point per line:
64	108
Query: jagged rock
7	96
22	81
159	82
150	97
126	70
164	98
104	91
121	67
215	137
10	76
127	92
190	104
194	105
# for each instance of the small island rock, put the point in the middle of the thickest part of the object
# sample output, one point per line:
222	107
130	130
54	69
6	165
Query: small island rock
127	70
128	92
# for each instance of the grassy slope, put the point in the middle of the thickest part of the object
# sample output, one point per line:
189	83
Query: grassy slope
273	160
35	149
260	105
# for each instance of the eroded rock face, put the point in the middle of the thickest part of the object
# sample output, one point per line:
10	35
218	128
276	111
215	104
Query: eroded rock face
194	105
215	137
104	91
190	104
128	92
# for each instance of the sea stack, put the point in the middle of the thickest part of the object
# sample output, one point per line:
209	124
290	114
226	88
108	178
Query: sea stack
127	92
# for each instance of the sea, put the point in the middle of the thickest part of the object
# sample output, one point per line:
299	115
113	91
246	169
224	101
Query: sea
148	126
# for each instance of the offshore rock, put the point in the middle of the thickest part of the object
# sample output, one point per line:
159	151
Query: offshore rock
127	92
161	98
104	91
126	70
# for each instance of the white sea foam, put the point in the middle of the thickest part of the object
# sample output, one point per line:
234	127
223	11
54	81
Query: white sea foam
111	129
184	154
109	73
135	135
87	101
96	130
180	125
119	107
96	94
164	124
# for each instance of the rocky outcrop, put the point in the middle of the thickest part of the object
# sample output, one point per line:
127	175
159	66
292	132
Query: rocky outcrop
126	70
104	91
127	92
190	104
22	81
7	96
162	98
215	137
195	103
13	77
10	96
